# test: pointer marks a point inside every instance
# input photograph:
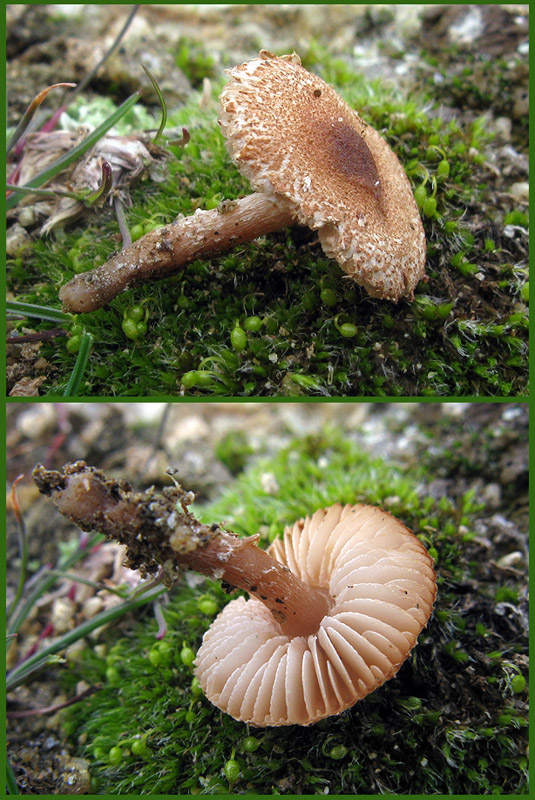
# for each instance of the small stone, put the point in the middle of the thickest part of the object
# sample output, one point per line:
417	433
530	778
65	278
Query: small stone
73	652
17	240
492	495
503	127
510	559
269	483
92	606
392	501
62	615
521	104
520	190
74	777
37	421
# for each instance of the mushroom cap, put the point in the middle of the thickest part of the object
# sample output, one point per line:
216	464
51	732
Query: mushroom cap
296	140
382	583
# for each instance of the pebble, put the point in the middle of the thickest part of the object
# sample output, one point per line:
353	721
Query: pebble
17	240
92	606
269	483
520	190
503	127
510	559
62	614
74	776
74	651
37	421
492	495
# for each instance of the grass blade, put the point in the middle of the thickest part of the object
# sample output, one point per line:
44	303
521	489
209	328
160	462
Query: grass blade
63	162
29	113
77	374
42	312
22	671
23	544
163	105
46	581
11	783
114	45
42	192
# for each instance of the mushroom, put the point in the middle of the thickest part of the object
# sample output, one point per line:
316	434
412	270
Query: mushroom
379	584
334	608
312	160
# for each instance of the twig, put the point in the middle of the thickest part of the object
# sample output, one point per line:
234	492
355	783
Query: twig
34	712
53	333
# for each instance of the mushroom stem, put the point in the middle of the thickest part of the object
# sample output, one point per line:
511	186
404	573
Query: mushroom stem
160	533
164	251
297	607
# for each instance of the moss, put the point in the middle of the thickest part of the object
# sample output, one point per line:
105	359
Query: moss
194	61
465	334
233	450
476	81
452	722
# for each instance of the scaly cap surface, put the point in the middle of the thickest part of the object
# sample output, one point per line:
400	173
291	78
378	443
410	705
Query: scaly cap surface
295	139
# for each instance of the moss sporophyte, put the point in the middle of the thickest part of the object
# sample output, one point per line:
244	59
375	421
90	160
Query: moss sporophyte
335	608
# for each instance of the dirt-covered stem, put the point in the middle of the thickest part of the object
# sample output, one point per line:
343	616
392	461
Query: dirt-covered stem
168	249
161	534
